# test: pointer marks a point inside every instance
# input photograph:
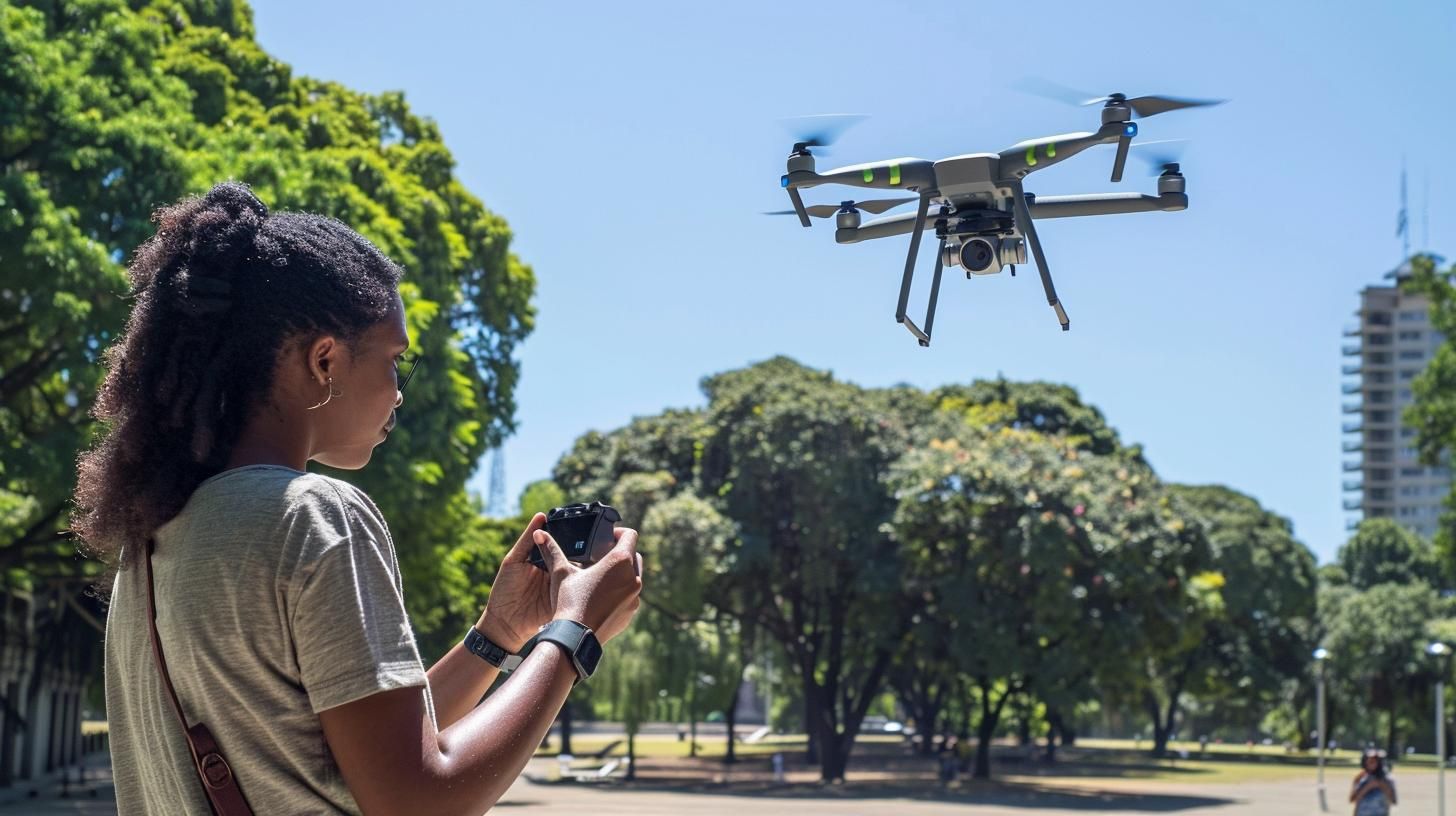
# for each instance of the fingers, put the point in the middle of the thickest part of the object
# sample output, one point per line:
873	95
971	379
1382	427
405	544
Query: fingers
626	540
521	550
551	552
638	564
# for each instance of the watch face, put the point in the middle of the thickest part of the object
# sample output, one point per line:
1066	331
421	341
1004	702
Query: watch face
589	653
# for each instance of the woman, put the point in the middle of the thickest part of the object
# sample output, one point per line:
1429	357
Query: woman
257	343
1373	791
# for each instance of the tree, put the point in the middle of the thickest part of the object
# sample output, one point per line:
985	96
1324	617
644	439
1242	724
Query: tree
796	458
1383	552
111	108
1260	641
1377	640
1432	413
1035	560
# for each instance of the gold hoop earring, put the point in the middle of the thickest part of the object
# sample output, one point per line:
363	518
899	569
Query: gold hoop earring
331	395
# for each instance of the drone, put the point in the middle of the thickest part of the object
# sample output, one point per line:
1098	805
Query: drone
976	203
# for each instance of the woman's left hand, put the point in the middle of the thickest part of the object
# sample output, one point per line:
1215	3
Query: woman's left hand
520	599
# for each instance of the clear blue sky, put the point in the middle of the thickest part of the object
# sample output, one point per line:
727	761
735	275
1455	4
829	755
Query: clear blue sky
632	146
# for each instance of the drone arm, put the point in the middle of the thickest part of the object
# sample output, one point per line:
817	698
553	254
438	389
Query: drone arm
1105	204
1028	228
1029	156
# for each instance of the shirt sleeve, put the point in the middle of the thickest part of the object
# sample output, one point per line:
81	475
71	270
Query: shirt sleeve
350	629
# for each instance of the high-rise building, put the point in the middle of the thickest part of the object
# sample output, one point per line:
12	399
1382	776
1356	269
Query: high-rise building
1385	351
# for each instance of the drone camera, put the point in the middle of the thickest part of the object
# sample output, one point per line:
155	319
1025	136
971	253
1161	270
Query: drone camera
981	256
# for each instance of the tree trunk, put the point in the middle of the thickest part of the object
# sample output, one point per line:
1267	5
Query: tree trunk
1390	731
986	728
730	718
811	723
1054	726
565	728
631	755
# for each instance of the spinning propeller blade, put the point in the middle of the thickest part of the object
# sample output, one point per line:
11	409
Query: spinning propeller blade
1141	106
821	130
876	206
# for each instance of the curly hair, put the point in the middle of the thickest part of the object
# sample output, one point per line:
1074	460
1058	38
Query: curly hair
219	290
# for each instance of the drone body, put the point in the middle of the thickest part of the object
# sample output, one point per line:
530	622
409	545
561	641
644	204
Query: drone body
976	204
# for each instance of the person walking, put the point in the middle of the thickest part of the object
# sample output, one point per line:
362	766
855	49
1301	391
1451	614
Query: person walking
1373	791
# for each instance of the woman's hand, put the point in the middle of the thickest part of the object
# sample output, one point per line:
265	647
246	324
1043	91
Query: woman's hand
521	600
603	596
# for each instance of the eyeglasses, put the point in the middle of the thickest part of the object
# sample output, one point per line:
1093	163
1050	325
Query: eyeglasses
412	364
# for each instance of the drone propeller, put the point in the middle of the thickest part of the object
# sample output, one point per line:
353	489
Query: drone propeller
1145	106
821	130
1141	106
875	206
1161	154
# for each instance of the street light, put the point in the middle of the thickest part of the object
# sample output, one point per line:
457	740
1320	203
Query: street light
1320	656
1442	653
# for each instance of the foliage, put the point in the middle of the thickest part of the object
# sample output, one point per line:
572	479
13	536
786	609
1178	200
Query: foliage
109	109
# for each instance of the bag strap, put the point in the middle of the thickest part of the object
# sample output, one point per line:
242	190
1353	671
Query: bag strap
213	770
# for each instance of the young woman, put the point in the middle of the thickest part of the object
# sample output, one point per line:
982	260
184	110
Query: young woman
1373	790
257	343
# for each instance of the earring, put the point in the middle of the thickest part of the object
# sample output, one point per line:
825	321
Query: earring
331	395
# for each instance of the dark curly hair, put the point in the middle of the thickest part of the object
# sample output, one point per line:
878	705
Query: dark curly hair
219	290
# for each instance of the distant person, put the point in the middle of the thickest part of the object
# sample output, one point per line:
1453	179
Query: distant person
1373	791
257	343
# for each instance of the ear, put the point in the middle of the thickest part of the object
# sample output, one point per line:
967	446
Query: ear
323	358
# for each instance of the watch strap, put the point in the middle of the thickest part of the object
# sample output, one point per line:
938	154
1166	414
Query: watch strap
579	642
490	651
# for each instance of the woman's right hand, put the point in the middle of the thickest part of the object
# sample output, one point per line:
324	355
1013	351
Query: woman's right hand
604	596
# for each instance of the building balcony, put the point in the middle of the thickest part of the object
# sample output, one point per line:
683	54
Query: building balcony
1352	330
1350	388
1351	524
1353	408
1350	369
1351	349
1353	484
1353	446
1352	427
1351	504
1351	467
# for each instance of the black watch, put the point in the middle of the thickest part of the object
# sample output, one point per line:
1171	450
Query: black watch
577	639
491	652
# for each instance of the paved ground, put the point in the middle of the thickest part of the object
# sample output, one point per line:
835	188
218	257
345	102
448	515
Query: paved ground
1018	797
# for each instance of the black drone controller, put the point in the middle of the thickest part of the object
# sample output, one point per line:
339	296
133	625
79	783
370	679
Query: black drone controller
583	531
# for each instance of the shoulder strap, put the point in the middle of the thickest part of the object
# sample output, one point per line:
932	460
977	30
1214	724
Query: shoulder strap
213	770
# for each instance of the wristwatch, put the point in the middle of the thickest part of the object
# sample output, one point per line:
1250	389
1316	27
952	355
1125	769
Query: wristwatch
578	641
491	652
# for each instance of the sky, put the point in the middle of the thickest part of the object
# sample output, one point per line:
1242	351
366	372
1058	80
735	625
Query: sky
633	148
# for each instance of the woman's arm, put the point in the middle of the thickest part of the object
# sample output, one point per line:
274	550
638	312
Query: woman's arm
394	761
460	679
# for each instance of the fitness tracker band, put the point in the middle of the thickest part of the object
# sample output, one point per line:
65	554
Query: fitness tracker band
491	652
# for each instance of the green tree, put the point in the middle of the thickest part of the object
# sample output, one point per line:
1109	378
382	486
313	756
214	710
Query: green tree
796	458
1432	413
1383	552
1260	641
1377	640
109	108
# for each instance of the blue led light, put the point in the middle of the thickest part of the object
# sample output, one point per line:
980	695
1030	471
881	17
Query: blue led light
783	181
1131	129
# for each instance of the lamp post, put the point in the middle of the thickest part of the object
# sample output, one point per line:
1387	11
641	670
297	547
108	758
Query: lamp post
1442	653
1320	656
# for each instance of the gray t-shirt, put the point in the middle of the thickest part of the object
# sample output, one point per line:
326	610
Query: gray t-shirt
278	596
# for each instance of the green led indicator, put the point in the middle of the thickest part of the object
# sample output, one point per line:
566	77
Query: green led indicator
869	175
894	174
1051	150
1031	156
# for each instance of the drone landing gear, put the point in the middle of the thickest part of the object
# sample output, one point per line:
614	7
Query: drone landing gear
1023	215
923	337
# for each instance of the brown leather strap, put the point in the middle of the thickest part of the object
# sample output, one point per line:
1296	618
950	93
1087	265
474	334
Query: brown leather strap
213	770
